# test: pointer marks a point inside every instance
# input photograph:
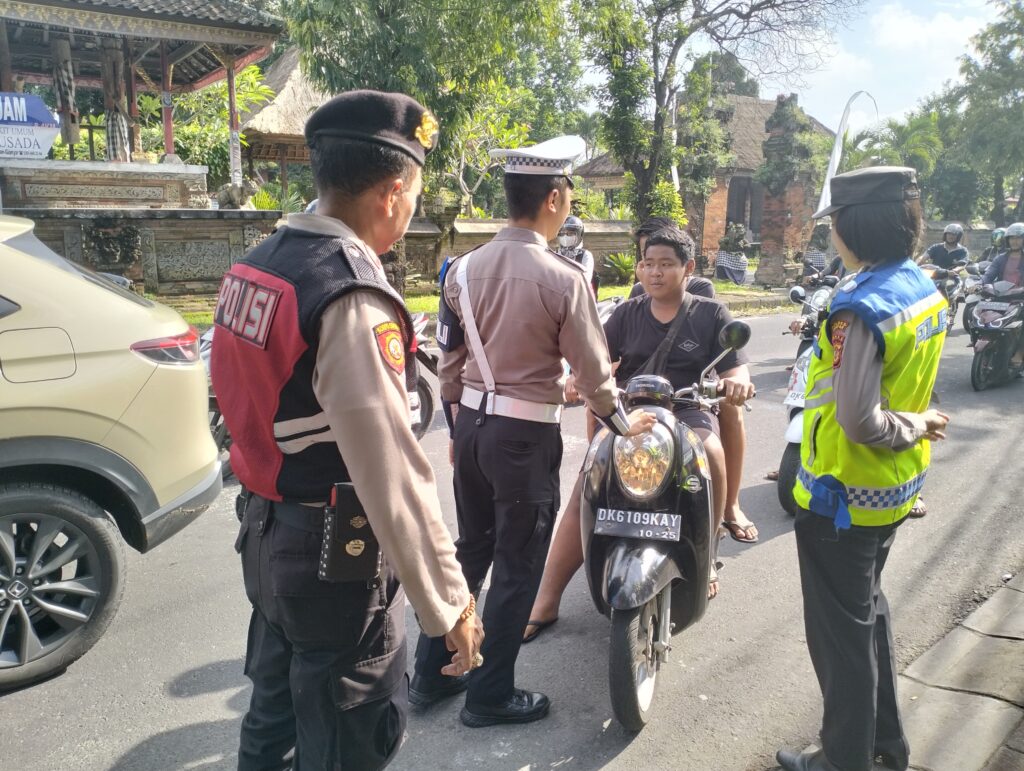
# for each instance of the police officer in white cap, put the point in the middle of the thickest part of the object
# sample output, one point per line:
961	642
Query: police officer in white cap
511	310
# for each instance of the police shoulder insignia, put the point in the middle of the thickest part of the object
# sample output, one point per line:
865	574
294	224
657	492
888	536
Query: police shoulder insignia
838	341
389	340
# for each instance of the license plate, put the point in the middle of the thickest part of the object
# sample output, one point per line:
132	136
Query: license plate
638	524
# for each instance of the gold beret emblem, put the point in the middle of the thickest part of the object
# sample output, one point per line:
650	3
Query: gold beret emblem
355	548
358	522
427	130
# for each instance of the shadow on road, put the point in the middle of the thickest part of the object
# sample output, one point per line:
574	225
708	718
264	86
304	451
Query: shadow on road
210	746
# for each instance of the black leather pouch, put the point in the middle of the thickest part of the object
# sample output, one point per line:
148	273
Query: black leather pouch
350	551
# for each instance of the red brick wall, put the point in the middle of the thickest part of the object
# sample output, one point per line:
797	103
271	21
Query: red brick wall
714	216
786	224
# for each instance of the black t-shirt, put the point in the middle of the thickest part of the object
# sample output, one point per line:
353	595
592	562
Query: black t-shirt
698	286
939	255
634	334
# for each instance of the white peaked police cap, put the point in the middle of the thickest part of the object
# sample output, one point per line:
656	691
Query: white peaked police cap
554	157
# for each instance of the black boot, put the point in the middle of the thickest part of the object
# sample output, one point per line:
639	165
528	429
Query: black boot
424	691
523	707
795	761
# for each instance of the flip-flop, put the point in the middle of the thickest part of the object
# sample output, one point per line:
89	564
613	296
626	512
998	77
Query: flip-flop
539	626
713	581
919	509
732	527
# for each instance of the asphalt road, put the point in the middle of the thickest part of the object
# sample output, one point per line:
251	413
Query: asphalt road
164	688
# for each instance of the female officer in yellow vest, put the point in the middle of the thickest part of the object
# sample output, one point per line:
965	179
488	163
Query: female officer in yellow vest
864	457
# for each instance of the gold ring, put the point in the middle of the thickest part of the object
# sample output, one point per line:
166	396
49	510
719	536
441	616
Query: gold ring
478	661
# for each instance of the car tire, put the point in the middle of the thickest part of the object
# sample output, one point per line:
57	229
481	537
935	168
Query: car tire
64	559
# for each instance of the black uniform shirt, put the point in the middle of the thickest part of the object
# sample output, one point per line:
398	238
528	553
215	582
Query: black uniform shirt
634	334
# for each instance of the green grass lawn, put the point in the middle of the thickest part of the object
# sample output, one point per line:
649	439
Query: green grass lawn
427	303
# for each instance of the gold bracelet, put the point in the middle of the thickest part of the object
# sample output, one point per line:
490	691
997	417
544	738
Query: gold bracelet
470	609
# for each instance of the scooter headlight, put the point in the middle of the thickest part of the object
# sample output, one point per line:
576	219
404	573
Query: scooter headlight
820	299
643	462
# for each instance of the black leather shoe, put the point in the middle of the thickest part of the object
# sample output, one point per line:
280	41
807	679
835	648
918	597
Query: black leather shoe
523	707
895	761
795	761
424	691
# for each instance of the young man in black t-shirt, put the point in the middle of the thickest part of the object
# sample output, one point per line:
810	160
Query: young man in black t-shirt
634	331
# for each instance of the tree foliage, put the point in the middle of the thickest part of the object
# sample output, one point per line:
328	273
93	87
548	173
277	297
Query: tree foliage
638	44
446	54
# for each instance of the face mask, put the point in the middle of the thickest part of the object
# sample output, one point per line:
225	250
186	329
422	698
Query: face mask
566	240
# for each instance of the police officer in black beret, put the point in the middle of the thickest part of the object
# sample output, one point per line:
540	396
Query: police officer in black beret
312	364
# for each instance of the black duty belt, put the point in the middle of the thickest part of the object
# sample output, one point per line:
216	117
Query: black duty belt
299	516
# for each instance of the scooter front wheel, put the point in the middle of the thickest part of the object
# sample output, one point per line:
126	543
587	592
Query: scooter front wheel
982	368
633	664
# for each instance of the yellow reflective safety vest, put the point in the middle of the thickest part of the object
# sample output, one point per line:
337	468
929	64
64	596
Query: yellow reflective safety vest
855	483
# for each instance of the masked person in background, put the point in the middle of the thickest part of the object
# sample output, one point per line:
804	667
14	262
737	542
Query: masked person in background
570	245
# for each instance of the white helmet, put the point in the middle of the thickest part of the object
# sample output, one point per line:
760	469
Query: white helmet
1016	230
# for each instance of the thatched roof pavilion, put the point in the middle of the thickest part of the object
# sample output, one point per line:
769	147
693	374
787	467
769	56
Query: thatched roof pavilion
274	131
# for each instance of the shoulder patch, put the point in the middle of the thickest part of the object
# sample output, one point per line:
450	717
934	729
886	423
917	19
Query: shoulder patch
389	341
838	341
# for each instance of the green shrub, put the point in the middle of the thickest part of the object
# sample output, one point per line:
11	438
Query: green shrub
623	265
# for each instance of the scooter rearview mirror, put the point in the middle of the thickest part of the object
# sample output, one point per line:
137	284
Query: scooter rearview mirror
734	335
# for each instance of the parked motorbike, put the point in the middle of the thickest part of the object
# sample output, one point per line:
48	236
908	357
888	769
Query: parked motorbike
218	428
421	403
998	317
950	285
814	308
647	525
972	291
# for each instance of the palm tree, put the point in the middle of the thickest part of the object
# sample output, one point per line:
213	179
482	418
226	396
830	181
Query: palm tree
915	142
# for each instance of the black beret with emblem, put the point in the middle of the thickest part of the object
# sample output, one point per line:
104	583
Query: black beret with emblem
392	120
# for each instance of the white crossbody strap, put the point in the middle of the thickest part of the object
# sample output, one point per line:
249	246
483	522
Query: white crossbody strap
469	324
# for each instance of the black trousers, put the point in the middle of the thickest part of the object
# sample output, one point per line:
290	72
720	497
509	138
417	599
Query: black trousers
506	498
849	636
326	660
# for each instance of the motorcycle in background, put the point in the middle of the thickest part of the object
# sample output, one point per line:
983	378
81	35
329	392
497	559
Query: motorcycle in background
647	521
998	318
814	308
950	285
972	291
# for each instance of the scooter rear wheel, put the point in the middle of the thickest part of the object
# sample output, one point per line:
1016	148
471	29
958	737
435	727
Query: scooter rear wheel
633	664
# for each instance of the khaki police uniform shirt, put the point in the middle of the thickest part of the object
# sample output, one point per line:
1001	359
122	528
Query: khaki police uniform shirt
857	389
367	406
533	308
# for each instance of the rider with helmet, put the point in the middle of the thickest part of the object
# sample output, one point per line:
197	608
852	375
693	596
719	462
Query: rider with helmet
948	250
570	244
996	247
1009	266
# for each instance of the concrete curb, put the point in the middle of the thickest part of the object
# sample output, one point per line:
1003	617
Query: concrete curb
962	700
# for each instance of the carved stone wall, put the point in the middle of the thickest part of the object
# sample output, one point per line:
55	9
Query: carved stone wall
49	184
184	251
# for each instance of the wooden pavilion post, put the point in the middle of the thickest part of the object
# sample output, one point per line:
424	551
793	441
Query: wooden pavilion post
6	72
166	106
234	142
134	131
282	166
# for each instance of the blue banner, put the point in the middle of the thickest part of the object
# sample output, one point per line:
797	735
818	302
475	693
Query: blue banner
27	127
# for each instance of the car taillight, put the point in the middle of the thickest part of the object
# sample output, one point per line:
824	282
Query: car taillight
179	349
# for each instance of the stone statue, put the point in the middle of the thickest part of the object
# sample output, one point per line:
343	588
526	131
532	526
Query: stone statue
232	196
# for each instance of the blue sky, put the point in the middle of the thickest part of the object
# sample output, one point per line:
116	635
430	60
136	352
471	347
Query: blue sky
898	50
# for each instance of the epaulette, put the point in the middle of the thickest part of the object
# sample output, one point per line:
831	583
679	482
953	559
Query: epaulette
566	260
